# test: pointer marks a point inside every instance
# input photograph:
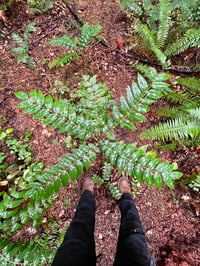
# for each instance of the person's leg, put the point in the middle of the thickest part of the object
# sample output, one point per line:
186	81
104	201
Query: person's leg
131	247
78	247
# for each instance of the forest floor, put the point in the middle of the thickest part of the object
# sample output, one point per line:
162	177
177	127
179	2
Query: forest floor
170	218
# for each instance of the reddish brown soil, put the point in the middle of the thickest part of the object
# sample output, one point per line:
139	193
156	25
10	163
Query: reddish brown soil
172	229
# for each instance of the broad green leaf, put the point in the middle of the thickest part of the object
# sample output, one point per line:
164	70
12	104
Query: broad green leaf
25	104
40	97
3	243
15	203
148	177
32	109
50	118
49	190
157	180
40	114
168	181
124	105
121	165
49	102
21	95
8	214
15	227
79	168
86	163
138	173
142	83
58	123
128	125
57	185
30	193
33	95
73	173
57	168
65	179
116	113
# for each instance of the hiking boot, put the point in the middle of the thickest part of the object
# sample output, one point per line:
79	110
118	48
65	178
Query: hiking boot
88	184
124	185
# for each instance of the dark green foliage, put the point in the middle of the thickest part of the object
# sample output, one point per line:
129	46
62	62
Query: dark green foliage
7	4
42	248
23	46
105	180
165	27
92	114
39	6
89	116
138	163
185	118
75	45
195	184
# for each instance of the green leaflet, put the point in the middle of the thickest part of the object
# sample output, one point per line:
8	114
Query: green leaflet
21	95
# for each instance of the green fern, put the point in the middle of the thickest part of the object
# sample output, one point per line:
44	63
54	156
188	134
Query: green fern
163	26
114	191
191	38
23	46
39	6
164	22
195	184
191	83
132	6
179	128
149	38
105	180
187	99
76	45
185	118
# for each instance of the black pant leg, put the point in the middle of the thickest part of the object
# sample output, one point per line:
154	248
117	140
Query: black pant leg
78	247
131	246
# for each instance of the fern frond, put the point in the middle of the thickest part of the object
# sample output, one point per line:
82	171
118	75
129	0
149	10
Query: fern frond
164	22
114	191
139	97
191	83
19	40
148	37
29	28
132	5
195	184
65	41
195	113
107	171
63	60
39	6
137	162
170	112
97	180
183	98
190	39
88	33
179	128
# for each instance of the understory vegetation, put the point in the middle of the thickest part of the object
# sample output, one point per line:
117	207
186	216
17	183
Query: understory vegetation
165	28
89	116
